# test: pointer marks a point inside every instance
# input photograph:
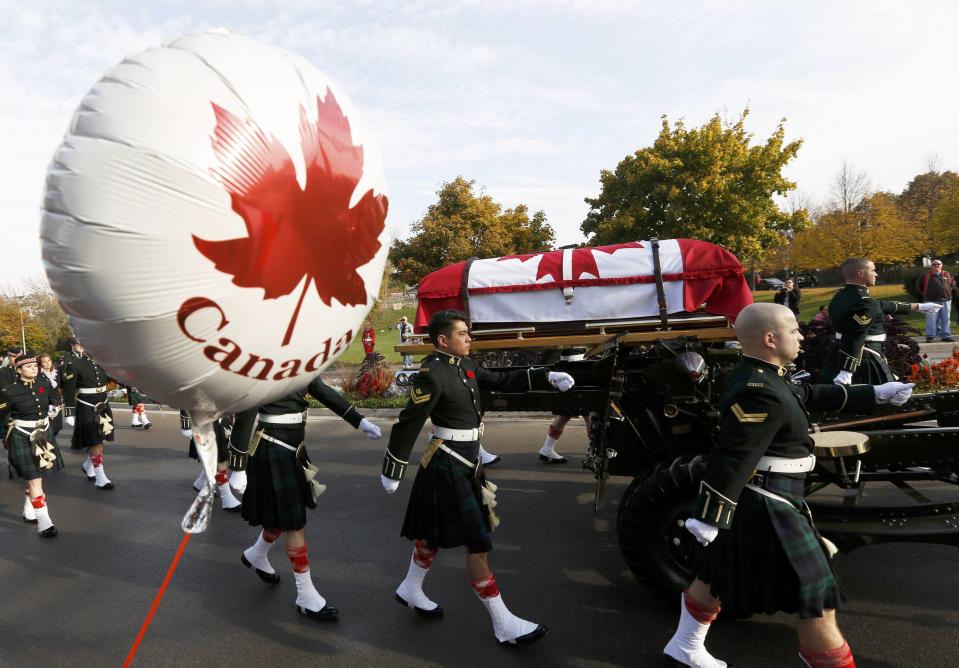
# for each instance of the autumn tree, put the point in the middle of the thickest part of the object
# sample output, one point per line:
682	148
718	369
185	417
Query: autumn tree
44	324
705	183
919	201
944	224
464	224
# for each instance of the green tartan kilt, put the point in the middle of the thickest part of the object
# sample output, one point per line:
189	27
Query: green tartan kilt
22	458
446	506
873	369
86	427
770	560
277	493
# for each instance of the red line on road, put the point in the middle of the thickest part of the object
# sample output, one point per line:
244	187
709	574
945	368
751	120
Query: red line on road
156	601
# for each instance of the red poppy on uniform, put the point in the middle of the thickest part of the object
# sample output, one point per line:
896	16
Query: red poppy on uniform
470	374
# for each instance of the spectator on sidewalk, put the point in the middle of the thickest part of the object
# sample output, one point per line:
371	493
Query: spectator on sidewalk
406	331
789	296
939	287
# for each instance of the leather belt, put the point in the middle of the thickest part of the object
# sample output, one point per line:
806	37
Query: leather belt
871	337
31	424
785	464
285	418
278	442
91	390
457	456
448	434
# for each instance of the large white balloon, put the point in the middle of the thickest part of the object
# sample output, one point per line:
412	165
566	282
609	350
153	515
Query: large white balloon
214	222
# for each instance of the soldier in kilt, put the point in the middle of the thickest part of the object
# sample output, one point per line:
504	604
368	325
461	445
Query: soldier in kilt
87	410
222	428
451	502
52	374
138	411
859	320
33	452
547	453
268	443
757	549
8	371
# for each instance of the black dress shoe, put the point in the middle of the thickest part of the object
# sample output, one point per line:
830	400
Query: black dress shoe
109	485
527	639
49	532
551	460
234	510
147	426
325	614
495	460
670	661
89	477
269	578
422	612
28	520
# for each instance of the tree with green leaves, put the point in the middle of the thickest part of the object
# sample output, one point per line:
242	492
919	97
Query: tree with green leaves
706	183
464	224
919	201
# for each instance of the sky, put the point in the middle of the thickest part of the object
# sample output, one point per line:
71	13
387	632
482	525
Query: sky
529	98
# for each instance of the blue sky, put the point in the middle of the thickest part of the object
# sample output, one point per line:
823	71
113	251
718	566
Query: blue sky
531	98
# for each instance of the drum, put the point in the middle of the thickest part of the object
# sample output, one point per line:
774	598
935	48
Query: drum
840	443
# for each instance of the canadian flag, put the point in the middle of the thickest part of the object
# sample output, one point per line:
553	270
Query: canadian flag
597	283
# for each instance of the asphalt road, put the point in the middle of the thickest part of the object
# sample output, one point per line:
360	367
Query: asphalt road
80	599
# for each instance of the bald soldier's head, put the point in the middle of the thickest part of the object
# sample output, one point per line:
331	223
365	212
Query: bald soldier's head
859	271
769	332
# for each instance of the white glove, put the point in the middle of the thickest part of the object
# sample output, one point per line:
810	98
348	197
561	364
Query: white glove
389	484
929	307
893	393
238	481
186	433
69	420
704	533
843	378
53	410
561	381
371	430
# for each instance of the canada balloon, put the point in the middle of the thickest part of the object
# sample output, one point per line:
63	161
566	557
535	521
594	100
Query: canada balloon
214	222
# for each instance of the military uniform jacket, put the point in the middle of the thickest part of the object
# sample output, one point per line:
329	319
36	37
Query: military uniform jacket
80	371
447	390
25	401
8	376
855	315
291	403
763	413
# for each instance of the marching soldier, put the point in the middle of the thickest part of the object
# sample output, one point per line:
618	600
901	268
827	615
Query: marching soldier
281	483
87	410
750	516
138	412
222	428
856	354
451	503
8	372
33	452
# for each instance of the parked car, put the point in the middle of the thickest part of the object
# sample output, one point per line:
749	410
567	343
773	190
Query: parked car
806	281
770	284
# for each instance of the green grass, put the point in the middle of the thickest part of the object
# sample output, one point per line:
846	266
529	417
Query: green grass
813	297
385	320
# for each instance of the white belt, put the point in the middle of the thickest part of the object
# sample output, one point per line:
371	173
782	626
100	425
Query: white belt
785	464
767	493
448	434
457	456
286	418
871	337
31	424
280	443
91	390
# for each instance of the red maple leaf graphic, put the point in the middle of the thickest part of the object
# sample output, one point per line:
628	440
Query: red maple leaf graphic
551	263
294	232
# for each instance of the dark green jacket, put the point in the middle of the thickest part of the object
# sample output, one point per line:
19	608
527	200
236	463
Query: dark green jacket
447	390
763	413
855	315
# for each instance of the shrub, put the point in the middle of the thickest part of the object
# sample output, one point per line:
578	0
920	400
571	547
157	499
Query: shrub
928	377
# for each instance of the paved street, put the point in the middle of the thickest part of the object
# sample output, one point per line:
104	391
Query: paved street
79	599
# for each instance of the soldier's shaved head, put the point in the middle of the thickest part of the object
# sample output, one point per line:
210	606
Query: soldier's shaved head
850	268
756	321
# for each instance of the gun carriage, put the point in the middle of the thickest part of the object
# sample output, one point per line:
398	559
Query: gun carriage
650	387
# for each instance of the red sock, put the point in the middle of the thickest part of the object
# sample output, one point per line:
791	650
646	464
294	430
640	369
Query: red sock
39	502
97	460
838	657
221	477
554	433
423	554
297	557
270	535
485	587
700	613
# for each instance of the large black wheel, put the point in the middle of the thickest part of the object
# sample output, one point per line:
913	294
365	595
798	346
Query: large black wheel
649	524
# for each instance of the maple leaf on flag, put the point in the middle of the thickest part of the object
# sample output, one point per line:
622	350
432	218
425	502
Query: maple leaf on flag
294	232
583	261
